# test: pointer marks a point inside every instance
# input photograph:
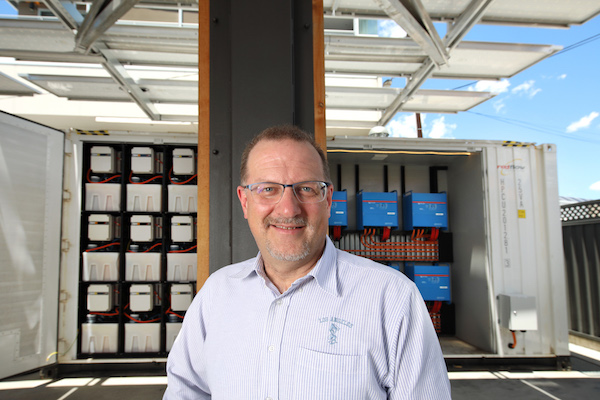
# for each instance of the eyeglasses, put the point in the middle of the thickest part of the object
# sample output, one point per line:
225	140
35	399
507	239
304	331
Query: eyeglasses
305	192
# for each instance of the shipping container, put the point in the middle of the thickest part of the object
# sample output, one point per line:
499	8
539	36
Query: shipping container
502	241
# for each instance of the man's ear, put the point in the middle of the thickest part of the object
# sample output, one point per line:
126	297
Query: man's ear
241	192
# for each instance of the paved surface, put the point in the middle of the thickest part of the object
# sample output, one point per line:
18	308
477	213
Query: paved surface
582	382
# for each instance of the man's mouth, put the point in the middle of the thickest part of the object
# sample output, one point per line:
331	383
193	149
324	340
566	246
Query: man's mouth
287	227
286	224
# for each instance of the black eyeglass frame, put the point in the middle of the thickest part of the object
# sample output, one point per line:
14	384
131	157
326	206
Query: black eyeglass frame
292	185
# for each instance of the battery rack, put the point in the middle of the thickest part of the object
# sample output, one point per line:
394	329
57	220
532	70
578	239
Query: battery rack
138	248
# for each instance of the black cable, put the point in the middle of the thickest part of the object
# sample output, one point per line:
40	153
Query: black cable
578	44
532	127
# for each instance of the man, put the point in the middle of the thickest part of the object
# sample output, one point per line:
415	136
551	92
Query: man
302	320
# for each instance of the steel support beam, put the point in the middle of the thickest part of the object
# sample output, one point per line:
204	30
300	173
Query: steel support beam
469	18
97	24
418	25
120	75
66	12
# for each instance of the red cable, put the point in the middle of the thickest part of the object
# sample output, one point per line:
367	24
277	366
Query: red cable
104	181
102	247
180	183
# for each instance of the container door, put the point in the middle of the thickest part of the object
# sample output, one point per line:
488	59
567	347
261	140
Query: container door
31	165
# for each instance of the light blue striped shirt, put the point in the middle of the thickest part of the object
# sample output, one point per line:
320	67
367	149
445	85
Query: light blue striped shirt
350	329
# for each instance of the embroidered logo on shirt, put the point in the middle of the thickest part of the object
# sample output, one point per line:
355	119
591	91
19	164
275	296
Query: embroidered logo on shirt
334	327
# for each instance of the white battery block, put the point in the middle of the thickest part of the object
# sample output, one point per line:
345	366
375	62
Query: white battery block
141	298
183	198
182	267
173	329
182	228
142	267
99	338
146	198
100	266
142	338
102	197
181	296
100	298
184	162
142	160
100	227
102	159
142	228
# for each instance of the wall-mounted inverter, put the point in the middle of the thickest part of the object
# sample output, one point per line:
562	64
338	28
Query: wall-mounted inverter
424	210
376	209
433	281
339	209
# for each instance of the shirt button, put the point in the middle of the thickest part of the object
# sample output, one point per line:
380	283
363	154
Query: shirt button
278	302
271	348
300	290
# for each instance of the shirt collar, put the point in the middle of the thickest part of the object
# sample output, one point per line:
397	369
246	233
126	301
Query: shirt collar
325	272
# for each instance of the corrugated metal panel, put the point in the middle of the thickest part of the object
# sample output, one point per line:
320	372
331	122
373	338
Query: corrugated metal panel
581	240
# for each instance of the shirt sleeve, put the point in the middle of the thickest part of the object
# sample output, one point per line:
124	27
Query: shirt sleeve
419	370
186	377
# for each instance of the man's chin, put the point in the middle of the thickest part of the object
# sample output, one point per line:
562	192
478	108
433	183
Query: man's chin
282	254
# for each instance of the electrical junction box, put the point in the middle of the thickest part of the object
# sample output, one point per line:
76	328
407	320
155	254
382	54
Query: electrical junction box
184	162
99	298
142	160
517	312
102	159
433	281
182	229
100	227
376	209
339	209
181	296
142	228
141	298
424	210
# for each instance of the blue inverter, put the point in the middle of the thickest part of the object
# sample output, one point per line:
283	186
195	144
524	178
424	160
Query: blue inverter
433	281
424	210
376	209
339	209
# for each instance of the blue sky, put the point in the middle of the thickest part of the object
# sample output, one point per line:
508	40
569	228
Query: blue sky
555	101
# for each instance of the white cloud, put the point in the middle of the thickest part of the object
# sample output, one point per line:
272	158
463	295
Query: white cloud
389	28
404	126
563	76
526	88
583	122
500	86
595	186
440	129
498	105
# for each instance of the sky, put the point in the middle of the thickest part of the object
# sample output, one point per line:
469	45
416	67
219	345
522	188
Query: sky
555	101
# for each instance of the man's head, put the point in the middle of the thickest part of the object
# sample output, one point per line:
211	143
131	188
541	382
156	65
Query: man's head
280	133
290	228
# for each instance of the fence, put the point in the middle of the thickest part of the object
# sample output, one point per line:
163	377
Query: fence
581	242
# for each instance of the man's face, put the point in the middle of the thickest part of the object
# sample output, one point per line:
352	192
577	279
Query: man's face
289	230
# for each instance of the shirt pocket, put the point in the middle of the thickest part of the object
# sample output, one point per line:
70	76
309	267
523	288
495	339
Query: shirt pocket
330	376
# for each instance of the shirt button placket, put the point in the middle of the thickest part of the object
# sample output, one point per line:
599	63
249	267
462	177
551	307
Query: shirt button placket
275	328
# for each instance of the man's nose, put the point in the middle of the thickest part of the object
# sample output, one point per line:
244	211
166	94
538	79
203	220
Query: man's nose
289	205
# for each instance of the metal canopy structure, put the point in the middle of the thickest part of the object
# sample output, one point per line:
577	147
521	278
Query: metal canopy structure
66	63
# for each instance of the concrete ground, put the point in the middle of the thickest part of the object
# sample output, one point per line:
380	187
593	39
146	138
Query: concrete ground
582	382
